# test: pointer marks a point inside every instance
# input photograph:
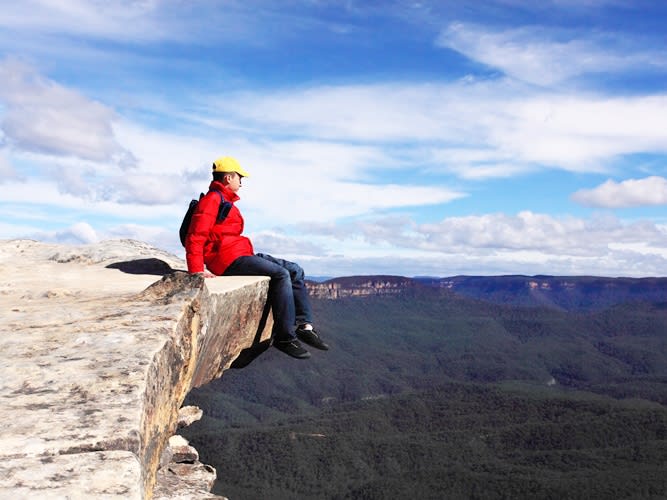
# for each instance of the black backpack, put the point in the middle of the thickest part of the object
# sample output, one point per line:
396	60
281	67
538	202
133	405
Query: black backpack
223	210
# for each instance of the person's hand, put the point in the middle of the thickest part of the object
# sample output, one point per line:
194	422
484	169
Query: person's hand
206	274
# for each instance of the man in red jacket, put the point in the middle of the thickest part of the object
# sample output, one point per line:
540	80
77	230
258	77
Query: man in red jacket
220	247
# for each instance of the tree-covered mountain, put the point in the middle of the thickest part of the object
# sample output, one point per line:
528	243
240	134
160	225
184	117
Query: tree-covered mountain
571	293
431	394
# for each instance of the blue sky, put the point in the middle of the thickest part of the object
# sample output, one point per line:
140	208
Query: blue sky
413	138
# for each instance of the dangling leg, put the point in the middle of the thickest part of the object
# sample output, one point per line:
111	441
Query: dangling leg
303	311
281	299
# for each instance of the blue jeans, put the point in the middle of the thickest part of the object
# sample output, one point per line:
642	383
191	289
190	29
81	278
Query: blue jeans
288	295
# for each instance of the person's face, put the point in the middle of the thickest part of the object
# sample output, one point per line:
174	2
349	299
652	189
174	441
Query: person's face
234	181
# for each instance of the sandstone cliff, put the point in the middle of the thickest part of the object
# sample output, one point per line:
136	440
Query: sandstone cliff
100	345
361	286
567	293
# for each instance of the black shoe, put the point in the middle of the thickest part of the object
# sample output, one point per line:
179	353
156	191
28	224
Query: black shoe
292	348
311	337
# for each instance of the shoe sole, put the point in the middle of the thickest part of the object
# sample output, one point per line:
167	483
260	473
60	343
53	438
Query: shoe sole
304	355
321	347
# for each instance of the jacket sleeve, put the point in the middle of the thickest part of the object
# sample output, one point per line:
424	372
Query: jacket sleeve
203	220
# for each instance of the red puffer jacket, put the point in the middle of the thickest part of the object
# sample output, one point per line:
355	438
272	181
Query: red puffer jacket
216	245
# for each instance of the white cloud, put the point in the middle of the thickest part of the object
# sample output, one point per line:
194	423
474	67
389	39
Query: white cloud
149	189
478	163
476	129
79	233
160	236
374	112
275	243
7	171
539	55
582	133
629	193
499	232
74	180
253	22
525	243
614	264
120	19
82	231
480	235
546	234
53	201
45	117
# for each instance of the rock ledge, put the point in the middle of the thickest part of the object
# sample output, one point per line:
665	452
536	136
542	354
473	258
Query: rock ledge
98	353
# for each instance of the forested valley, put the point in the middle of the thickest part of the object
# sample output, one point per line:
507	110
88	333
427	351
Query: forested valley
429	394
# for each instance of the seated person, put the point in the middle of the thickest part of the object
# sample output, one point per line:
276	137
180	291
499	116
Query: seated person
220	247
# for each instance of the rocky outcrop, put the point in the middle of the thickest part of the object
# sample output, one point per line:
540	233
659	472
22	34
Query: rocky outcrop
181	475
100	345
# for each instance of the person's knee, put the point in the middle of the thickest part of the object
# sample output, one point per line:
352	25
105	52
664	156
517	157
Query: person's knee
281	274
298	273
295	271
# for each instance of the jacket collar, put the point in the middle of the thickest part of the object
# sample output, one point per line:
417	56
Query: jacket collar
227	193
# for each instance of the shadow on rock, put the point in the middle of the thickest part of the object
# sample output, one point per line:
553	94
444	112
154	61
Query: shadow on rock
247	355
152	266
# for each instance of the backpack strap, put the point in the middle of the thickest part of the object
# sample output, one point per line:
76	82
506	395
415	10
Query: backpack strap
223	209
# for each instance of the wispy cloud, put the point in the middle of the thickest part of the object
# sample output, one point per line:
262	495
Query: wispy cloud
274	242
548	56
491	128
615	262
629	193
499	232
83	233
524	243
537	232
201	22
7	171
45	117
121	19
79	233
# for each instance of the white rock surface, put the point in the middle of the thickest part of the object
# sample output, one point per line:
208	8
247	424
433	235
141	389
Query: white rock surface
98	475
94	365
182	452
187	415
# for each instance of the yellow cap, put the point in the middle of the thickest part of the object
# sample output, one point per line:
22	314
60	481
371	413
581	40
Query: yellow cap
229	164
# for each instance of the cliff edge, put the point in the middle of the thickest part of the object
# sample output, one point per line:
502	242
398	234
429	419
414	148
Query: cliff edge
100	345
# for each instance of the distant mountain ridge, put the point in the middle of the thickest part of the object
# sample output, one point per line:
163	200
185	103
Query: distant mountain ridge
568	293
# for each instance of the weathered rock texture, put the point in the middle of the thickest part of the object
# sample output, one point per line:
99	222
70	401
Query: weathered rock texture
184	476
98	352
